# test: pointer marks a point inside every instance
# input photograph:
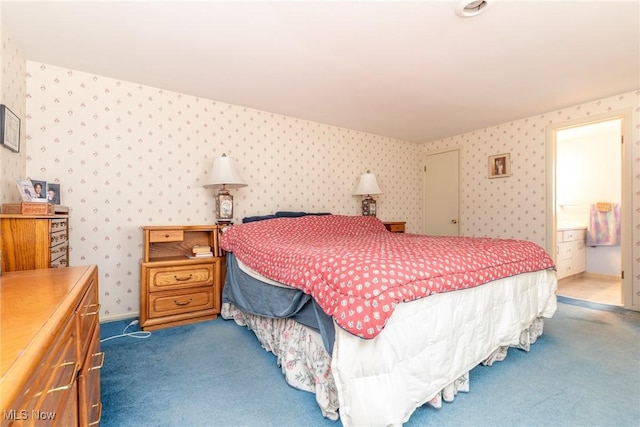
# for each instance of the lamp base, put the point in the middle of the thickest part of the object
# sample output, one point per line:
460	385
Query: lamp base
368	206
224	206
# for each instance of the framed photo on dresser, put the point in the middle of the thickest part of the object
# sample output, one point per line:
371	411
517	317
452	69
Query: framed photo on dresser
26	190
40	188
53	193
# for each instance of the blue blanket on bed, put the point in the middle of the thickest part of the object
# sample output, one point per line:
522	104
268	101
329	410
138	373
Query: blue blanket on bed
256	297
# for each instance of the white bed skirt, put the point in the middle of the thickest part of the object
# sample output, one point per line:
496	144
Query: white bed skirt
423	355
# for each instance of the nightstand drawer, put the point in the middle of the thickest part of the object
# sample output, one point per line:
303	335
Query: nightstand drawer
179	277
166	236
178	302
395	226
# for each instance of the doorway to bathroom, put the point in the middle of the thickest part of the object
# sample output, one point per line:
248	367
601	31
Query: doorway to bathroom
588	206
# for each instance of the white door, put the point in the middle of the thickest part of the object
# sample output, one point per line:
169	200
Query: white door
441	190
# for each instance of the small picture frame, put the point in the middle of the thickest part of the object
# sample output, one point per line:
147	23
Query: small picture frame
40	188
9	129
53	193
500	165
26	190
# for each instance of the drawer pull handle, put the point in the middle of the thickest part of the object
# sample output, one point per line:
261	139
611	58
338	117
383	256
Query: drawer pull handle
71	381
183	279
99	366
176	302
99	406
167	235
92	313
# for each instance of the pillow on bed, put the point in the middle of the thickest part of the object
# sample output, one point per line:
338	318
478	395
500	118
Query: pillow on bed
285	214
281	214
257	218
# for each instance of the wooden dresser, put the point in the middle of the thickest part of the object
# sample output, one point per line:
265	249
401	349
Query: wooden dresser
50	347
174	289
31	242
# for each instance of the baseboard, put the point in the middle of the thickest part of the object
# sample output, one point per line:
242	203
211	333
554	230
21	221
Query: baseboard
118	317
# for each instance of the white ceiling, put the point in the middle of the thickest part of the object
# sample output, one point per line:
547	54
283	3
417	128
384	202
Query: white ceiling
410	70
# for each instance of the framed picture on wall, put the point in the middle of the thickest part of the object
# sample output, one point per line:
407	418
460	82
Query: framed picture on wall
500	165
9	129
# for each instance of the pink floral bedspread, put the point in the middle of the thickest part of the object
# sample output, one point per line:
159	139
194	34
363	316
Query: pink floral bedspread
358	271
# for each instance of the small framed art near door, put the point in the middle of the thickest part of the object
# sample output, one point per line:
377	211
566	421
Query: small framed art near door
500	165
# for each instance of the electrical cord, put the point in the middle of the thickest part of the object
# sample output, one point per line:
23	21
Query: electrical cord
135	334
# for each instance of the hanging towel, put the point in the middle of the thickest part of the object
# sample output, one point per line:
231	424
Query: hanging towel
604	224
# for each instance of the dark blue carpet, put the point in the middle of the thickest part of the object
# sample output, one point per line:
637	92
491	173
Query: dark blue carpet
583	371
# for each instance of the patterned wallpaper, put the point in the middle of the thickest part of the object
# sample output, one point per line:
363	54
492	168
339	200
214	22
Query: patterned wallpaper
516	206
12	94
127	155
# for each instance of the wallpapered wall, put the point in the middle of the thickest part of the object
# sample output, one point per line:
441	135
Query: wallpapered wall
12	94
127	155
515	206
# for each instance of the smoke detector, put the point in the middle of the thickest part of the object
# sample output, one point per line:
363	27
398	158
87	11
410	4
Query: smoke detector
469	8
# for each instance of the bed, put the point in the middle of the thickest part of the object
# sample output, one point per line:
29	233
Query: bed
376	323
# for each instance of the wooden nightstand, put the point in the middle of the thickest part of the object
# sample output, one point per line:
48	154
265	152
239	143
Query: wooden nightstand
175	289
395	226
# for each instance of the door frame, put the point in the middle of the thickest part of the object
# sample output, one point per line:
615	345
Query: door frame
626	197
458	149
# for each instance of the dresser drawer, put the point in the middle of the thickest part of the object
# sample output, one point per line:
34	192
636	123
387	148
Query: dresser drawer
62	385
36	386
565	250
87	314
60	262
59	225
178	302
59	251
55	377
180	276
571	235
58	239
90	407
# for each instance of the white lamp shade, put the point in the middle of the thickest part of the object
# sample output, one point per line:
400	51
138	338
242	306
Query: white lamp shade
368	185
224	174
